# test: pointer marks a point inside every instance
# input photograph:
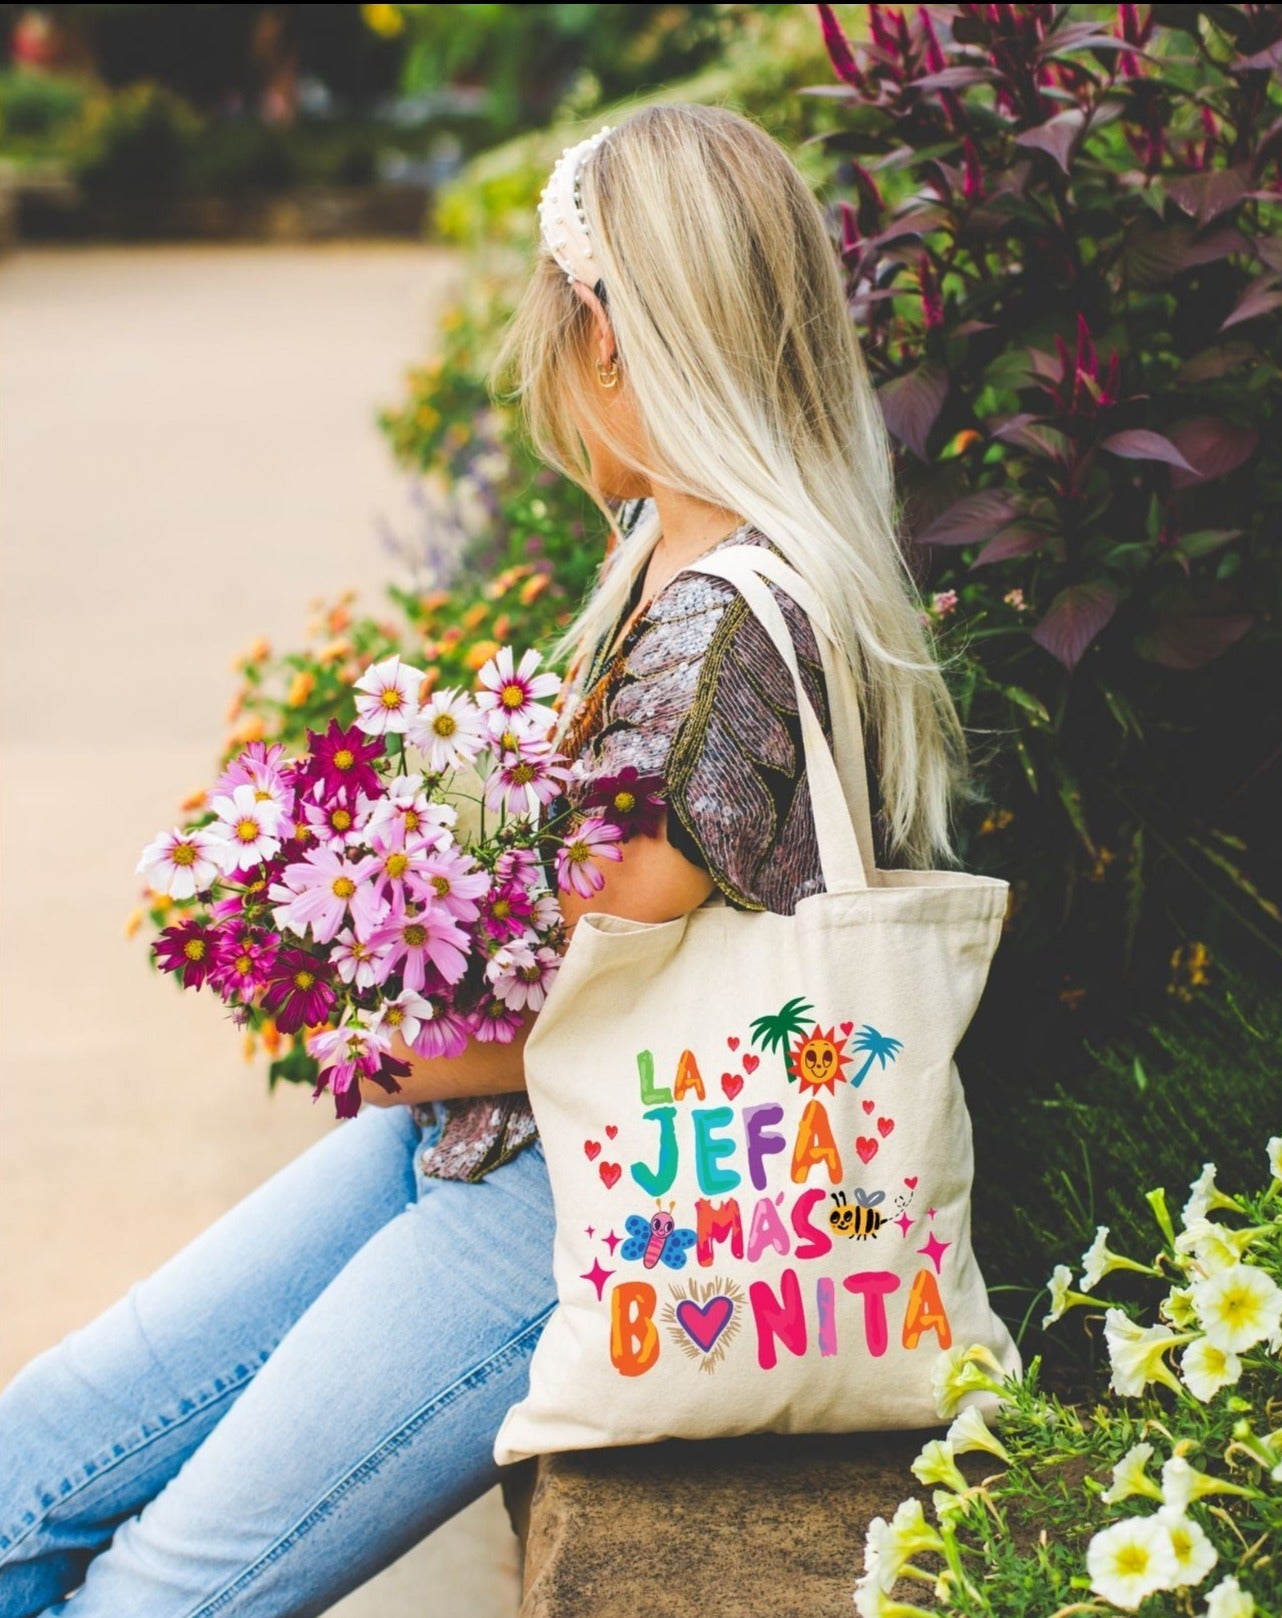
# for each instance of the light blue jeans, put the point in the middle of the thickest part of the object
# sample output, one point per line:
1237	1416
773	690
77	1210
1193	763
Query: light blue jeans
289	1404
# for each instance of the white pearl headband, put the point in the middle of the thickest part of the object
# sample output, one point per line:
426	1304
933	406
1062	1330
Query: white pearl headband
562	222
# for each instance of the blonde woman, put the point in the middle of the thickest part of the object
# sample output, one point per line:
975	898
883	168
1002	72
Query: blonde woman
316	1382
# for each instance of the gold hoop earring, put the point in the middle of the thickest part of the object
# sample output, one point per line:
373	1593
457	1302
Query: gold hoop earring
608	375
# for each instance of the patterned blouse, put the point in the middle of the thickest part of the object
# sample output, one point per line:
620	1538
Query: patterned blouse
696	699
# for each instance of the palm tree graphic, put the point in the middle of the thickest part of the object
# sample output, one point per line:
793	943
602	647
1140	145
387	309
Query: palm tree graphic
774	1033
880	1048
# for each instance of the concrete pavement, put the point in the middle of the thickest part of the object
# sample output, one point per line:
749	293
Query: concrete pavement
187	454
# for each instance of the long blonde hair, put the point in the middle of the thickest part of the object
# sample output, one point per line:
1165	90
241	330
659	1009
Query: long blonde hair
731	328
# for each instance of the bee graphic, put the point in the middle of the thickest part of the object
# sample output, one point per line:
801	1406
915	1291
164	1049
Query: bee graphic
657	1238
860	1222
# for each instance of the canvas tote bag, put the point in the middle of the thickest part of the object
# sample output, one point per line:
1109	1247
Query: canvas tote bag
758	1145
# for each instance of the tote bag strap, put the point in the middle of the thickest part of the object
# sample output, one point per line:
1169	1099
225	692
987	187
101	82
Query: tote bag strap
845	845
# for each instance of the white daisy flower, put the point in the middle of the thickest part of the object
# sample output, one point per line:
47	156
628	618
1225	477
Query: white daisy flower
449	731
183	863
510	695
1130	1560
387	697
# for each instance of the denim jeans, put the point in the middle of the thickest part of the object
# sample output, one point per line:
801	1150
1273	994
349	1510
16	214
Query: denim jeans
289	1404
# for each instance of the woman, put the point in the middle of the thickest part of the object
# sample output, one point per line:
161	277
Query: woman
315	1383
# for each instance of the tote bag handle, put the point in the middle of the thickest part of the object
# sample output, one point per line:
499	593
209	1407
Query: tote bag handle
843	829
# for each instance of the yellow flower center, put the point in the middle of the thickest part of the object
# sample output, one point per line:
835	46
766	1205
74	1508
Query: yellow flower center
262	796
304	979
445	724
412	821
530	974
576	853
341	819
360	952
391	698
344	758
510	741
1236	1306
502	909
441	886
415	934
257	885
247	830
1132	1560
194	949
243	964
343	887
184	854
624	802
395	1015
397	864
523	774
513	695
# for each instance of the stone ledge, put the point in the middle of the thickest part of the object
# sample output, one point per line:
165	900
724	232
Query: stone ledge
761	1527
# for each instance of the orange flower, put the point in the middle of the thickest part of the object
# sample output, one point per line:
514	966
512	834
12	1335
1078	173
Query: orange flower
428	684
253	730
533	588
134	920
338	620
503	625
334	650
235	706
450	639
475	615
434	600
257	652
300	688
249	1045
478	656
271	1038
193	801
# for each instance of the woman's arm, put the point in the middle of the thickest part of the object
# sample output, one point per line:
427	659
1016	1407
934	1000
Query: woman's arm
652	882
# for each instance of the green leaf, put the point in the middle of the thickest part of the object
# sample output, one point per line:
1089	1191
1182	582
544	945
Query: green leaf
1139	1075
1028	702
295	1067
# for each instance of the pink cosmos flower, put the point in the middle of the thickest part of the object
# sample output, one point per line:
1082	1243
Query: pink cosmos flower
246	768
407	811
342	761
449	731
298	993
509	696
521	975
347	1055
339	821
546	913
448	877
505	911
251	826
399	867
526	779
188	949
387	696
243	962
576	859
322	890
445	1035
493	1023
355	962
517	865
419	941
183	863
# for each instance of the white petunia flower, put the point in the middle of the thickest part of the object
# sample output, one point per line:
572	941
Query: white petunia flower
1206	1369
936	1464
1130	1560
1177	1308
1136	1354
1130	1476
1204	1195
1229	1600
888	1548
969	1431
1239	1307
1213	1246
1099	1260
1194	1554
959	1372
1275	1163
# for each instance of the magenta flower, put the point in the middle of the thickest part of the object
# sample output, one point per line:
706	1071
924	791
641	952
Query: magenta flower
448	877
347	1055
188	949
510	696
420	942
298	993
492	1023
527	778
505	911
628	800
444	1035
243	962
342	761
517	865
576	859
339	821
323	889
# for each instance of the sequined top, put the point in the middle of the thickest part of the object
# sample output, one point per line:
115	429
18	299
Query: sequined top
698	701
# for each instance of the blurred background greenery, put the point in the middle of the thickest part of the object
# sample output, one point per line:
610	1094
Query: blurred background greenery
1059	228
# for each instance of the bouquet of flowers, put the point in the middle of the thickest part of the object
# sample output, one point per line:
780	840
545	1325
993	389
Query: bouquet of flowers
392	881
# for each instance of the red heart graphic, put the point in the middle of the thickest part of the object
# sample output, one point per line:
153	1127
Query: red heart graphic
910	1180
703	1324
731	1083
610	1173
733	1041
611	1130
866	1146
869	1105
884	1126
846	1027
592	1148
751	1063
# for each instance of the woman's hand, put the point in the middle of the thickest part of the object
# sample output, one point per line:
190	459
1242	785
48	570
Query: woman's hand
652	882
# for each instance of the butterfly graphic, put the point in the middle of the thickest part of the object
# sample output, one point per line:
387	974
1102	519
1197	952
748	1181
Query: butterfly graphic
655	1239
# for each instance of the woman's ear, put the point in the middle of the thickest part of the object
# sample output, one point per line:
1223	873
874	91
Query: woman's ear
605	344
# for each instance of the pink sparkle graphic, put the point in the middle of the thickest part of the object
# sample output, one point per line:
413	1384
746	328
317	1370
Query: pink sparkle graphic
935	1250
590	1231
612	1241
598	1278
905	1223
931	1212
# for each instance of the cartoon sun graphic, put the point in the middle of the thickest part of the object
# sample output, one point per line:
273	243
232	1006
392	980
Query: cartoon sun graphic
818	1060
